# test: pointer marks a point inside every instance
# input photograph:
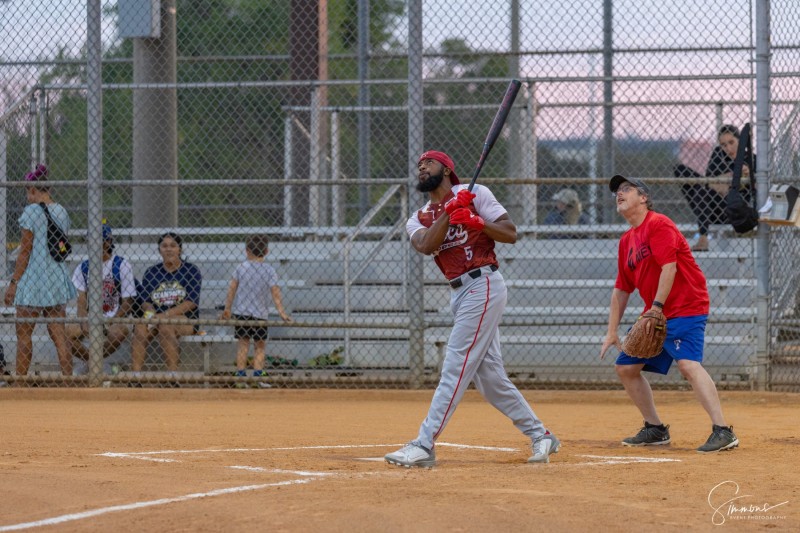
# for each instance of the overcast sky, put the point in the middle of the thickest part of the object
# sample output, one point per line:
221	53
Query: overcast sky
34	29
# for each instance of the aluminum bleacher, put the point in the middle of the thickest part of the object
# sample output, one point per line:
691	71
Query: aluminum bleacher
555	286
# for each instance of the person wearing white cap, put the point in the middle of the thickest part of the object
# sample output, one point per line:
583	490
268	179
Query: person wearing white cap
119	291
568	211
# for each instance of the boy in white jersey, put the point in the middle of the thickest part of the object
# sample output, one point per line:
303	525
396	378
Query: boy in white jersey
119	289
248	299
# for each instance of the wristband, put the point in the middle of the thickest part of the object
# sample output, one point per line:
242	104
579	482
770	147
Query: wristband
656	303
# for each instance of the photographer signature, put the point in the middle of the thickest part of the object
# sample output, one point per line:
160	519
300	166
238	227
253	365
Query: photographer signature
732	506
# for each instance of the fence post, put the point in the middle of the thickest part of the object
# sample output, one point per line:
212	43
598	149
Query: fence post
314	204
33	111
416	267
287	169
3	198
529	190
762	175
94	175
337	208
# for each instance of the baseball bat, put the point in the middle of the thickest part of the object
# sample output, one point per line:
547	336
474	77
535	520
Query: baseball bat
497	127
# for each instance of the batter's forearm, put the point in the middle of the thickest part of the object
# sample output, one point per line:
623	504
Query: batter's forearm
429	240
501	230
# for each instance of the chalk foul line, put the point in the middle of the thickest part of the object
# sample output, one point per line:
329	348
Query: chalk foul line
152	503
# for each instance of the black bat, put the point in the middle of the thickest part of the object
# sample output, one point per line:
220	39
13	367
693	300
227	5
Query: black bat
497	127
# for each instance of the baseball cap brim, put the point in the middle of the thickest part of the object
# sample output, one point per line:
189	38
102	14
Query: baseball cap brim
619	179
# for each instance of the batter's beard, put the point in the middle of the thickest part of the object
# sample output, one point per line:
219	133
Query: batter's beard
432	183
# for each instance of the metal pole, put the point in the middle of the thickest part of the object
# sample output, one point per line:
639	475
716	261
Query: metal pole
314	207
42	127
608	89
529	191
592	133
515	144
363	103
337	209
155	124
416	268
762	176
33	110
720	119
94	174
3	198
287	169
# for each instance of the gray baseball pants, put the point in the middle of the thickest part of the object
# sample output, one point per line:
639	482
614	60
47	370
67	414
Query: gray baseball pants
473	354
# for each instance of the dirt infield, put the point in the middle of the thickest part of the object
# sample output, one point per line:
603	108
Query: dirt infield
211	460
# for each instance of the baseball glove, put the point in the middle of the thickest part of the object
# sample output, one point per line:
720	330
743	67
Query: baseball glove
646	338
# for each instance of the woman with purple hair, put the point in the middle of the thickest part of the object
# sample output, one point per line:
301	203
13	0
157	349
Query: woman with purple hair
40	286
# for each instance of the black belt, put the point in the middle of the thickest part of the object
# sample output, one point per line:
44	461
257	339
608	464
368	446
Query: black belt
474	274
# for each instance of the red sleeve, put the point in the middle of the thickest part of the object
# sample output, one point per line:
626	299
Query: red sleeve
665	240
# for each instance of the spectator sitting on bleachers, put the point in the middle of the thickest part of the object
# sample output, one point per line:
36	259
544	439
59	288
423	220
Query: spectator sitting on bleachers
170	289
119	290
708	201
568	212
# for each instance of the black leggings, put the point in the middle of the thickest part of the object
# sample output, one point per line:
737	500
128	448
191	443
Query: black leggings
707	204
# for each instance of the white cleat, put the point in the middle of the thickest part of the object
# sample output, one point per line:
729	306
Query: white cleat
543	447
412	454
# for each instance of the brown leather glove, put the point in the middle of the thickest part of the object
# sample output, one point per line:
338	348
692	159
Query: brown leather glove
646	338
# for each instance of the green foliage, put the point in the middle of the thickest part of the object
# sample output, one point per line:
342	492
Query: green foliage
222	132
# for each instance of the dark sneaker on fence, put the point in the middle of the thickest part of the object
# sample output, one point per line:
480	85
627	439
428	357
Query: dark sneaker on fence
722	438
543	447
412	454
649	435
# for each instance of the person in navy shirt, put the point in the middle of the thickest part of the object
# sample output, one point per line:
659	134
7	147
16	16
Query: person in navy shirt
170	290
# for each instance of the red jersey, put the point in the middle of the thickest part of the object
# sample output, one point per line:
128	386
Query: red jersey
644	250
463	249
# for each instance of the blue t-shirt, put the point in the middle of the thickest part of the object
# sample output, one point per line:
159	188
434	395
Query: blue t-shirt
166	290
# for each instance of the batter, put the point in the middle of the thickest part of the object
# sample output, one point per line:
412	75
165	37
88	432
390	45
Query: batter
459	228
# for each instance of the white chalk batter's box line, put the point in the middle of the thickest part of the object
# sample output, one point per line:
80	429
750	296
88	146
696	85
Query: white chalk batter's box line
305	477
154	455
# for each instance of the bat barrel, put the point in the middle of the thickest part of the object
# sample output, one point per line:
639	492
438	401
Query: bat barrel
496	127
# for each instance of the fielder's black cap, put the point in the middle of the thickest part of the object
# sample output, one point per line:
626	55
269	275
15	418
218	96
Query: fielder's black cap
619	179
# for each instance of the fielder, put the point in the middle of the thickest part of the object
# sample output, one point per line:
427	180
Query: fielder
655	258
459	229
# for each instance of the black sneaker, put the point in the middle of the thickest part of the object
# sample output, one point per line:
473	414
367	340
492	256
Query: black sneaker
649	435
722	438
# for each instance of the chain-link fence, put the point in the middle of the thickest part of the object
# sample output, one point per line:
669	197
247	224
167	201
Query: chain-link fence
255	161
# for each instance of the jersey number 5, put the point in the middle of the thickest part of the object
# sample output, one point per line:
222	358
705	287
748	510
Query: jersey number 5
468	252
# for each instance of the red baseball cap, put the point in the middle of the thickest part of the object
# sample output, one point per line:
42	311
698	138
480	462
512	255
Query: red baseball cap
444	159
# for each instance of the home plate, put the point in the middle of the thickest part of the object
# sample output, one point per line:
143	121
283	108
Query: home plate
377	459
